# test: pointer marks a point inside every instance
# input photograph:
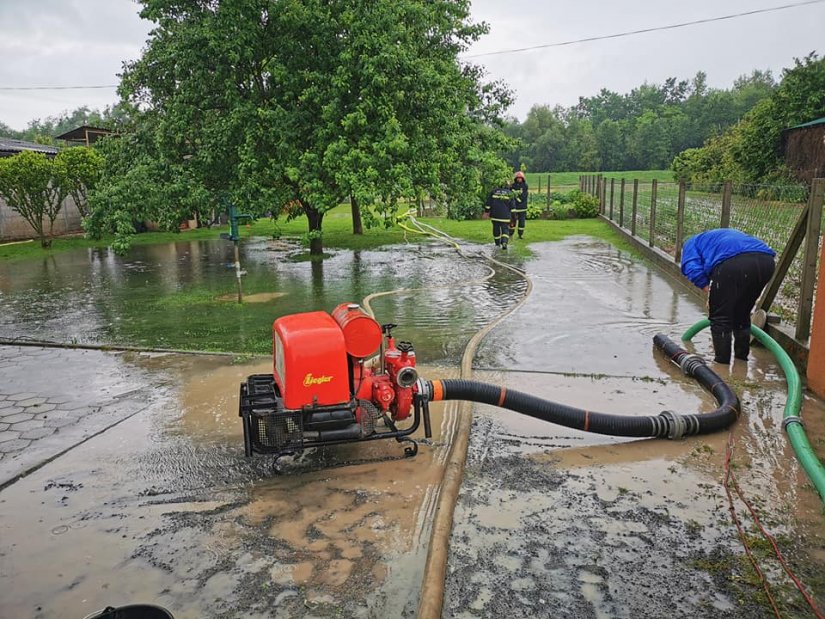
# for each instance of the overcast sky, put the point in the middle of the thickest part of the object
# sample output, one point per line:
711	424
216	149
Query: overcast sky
84	42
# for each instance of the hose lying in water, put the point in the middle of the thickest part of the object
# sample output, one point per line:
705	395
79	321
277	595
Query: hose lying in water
792	422
665	424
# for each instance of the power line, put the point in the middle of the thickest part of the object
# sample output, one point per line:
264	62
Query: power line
63	87
645	30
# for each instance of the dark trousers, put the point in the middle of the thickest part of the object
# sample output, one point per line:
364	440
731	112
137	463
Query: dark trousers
501	232
736	284
518	218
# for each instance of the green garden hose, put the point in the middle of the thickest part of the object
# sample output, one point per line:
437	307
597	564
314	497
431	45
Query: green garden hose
791	422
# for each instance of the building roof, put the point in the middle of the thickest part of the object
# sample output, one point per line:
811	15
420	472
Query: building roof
818	121
85	134
10	146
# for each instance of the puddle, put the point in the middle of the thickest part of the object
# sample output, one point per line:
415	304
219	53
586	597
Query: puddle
165	508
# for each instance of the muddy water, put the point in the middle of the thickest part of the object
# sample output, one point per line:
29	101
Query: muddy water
551	522
180	295
164	508
558	523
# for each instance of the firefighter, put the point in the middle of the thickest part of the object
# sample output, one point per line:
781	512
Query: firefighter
519	211
499	204
733	268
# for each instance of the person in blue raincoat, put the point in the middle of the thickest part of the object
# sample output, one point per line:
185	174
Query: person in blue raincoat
733	268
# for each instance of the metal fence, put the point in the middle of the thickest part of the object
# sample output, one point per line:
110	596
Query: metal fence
665	214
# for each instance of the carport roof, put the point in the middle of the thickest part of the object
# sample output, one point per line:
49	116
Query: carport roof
11	146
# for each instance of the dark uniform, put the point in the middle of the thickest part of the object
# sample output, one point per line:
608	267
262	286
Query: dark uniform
499	205
519	211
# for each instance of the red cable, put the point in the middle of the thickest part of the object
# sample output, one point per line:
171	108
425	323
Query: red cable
780	557
742	537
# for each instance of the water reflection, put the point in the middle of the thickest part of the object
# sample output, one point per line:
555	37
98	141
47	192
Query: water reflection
171	295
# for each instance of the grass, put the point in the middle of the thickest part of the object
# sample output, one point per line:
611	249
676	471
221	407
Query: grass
337	228
338	231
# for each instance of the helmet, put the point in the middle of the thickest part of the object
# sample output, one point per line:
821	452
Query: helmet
520	175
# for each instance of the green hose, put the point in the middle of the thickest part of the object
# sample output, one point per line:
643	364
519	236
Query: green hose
792	422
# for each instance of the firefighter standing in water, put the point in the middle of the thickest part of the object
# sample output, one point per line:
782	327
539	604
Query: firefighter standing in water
519	210
499	204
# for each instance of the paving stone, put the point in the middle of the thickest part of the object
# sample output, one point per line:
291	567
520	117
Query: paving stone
32	424
38	433
11	410
6	403
31	402
18	417
9	435
59	400
40	408
4	427
16	397
81	412
12	446
59	422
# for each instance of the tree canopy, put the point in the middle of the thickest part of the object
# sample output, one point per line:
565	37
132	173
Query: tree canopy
642	129
750	151
297	105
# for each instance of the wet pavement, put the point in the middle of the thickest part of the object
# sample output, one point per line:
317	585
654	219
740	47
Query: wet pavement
134	486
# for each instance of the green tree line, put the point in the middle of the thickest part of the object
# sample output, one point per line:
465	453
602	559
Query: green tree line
751	150
640	130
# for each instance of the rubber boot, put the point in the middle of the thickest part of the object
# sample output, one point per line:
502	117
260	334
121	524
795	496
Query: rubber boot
721	345
741	343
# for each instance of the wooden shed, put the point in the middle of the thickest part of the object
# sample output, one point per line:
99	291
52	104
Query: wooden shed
84	135
804	149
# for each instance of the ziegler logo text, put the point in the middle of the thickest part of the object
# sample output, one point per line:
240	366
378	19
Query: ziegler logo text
310	380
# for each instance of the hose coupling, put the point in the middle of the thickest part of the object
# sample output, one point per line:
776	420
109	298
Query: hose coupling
676	424
791	419
690	363
424	389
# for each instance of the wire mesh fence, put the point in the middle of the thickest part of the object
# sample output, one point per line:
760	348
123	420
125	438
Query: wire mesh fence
651	211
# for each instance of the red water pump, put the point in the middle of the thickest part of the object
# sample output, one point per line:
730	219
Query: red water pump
328	386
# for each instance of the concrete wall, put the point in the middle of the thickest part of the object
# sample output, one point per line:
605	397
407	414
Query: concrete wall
13	227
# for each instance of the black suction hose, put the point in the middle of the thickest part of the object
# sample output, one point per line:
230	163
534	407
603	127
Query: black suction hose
666	424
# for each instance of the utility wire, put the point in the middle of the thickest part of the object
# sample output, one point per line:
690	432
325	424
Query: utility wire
524	49
61	87
645	30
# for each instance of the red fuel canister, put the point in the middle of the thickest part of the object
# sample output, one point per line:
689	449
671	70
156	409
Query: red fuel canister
362	335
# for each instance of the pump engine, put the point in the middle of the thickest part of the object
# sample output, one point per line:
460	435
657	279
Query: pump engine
329	387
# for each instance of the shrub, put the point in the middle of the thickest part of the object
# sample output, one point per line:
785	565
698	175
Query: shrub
584	204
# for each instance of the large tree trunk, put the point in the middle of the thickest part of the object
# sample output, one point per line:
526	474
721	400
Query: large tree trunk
357	226
315	219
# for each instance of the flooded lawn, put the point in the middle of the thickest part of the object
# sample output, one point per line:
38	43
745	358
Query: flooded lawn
162	507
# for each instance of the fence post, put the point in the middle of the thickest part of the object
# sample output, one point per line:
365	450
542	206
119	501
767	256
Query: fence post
604	194
621	204
726	195
680	223
581	183
635	197
539	183
548	192
599	192
653	188
612	189
806	288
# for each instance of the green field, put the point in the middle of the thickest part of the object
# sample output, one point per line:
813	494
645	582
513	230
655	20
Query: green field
571	179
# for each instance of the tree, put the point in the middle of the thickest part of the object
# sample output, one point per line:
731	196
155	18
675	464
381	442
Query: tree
30	184
79	170
288	102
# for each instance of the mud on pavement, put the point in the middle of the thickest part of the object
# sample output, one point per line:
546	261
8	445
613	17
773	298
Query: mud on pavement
163	508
